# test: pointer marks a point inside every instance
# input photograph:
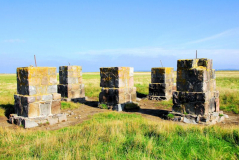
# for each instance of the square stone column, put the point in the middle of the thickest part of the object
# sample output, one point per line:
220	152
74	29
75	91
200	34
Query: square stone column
161	86
117	87
196	87
37	92
71	87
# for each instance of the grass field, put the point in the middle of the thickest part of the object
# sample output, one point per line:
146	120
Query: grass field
123	136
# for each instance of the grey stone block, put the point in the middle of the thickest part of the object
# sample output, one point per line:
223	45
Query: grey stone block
11	120
191	121
47	97
52	89
45	108
62	117
32	90
53	120
29	124
119	107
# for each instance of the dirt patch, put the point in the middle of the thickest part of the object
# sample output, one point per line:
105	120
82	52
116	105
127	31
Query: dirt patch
148	109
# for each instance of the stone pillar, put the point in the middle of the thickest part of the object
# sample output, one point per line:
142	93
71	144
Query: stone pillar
71	87
196	88
37	92
161	85
117	87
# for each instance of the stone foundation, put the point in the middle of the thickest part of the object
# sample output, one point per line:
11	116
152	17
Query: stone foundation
71	87
196	93
37	92
161	86
117	87
36	96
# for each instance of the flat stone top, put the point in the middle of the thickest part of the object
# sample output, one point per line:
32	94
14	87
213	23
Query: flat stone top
70	68
199	64
166	70
36	68
35	71
115	67
162	68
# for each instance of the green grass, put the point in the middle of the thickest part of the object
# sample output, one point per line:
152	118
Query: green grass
121	136
170	115
69	105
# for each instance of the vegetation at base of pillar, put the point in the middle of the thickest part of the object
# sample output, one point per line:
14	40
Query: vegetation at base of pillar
131	106
115	135
103	106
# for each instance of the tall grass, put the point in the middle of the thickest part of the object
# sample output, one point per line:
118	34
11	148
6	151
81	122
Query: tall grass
121	136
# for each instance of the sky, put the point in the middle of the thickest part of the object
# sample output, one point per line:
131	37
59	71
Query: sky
138	34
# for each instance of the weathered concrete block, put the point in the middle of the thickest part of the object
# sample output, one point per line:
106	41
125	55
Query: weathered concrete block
47	97
45	108
70	92
119	107
56	107
30	80
29	124
116	77
33	110
162	79
52	89
161	74
196	87
70	74
62	117
52	121
56	96
117	95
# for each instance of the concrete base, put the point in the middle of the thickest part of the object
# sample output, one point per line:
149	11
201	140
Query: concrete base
158	98
80	100
210	119
118	107
34	122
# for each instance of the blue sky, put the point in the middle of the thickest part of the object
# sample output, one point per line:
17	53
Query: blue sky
138	34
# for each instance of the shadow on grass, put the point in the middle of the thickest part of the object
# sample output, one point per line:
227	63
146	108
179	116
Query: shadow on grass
141	95
9	109
153	112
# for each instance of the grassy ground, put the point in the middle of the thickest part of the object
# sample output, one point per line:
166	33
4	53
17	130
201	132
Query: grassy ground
123	136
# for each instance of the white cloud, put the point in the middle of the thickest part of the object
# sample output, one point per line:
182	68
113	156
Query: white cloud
129	51
156	52
230	32
14	41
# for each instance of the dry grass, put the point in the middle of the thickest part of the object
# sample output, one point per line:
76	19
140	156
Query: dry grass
121	136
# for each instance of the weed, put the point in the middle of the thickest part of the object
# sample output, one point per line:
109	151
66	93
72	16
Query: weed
69	105
103	106
131	106
170	116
